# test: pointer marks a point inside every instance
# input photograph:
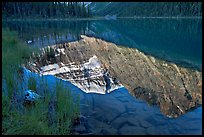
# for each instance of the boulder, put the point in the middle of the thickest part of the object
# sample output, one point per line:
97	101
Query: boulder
30	96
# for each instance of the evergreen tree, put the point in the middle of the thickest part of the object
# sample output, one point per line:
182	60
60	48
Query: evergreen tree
43	9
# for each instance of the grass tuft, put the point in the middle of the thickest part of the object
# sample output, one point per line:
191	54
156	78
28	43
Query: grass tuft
34	120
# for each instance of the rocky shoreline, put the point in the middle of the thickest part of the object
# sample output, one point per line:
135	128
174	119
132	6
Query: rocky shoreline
174	89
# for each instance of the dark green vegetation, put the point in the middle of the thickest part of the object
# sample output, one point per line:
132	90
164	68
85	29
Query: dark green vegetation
147	9
14	53
49	10
44	10
31	119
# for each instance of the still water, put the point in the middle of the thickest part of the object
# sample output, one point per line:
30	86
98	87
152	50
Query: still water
120	113
175	40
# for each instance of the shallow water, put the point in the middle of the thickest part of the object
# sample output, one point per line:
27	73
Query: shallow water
120	113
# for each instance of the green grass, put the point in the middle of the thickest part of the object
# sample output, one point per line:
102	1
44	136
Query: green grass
14	53
31	120
34	120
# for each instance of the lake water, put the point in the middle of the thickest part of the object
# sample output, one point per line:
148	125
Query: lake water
175	40
120	113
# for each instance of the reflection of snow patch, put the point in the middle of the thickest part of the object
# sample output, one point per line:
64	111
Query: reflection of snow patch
179	108
56	55
164	64
34	64
49	67
93	63
61	51
94	88
153	59
93	83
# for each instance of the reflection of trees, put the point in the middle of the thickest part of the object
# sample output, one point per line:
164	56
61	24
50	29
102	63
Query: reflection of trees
49	32
166	38
171	39
152	31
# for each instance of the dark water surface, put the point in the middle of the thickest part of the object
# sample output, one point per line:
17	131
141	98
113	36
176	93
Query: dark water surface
175	40
120	113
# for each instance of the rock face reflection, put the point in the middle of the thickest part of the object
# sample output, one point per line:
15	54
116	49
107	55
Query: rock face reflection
175	40
89	75
174	89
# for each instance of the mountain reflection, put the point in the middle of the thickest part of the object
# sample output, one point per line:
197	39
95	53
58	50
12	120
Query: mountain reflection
175	40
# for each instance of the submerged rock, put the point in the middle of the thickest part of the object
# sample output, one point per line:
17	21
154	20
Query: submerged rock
30	96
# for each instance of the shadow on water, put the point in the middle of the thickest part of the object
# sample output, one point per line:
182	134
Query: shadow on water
120	113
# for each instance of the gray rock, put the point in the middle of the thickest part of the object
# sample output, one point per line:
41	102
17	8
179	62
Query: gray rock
30	95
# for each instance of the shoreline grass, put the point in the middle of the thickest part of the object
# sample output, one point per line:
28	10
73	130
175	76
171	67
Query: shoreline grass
18	119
